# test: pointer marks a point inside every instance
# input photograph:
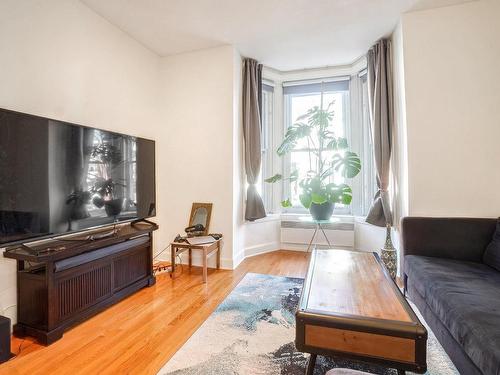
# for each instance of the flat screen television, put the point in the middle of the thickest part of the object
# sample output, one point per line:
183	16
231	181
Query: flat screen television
57	178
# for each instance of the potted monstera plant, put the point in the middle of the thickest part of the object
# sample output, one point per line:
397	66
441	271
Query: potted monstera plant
104	187
328	155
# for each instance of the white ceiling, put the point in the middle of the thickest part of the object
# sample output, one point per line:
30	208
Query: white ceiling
282	34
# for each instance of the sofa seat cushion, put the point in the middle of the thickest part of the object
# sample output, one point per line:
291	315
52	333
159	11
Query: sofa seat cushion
465	296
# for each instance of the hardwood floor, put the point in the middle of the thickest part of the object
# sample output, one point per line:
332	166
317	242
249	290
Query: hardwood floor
141	333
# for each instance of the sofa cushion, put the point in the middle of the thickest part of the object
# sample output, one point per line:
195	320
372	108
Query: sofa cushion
465	296
492	254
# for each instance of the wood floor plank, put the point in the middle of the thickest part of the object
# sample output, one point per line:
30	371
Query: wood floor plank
141	333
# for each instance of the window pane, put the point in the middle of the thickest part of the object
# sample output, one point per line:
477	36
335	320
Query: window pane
300	104
300	159
264	188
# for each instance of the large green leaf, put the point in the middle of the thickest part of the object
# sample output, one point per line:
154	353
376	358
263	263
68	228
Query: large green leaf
339	193
336	143
345	194
332	144
319	198
295	132
327	134
315	184
349	164
277	177
342	143
320	117
327	173
306	200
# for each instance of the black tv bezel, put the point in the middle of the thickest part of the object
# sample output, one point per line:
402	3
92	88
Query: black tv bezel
55	236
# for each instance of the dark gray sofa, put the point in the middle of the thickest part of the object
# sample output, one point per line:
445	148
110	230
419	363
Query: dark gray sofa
458	295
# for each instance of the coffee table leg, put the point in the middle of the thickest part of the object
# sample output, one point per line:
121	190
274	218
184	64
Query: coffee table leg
310	364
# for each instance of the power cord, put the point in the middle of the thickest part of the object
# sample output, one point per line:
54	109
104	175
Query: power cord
160	268
18	350
180	263
157	255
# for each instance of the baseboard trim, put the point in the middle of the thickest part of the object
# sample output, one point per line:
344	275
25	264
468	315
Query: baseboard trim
231	264
303	247
262	249
225	263
240	257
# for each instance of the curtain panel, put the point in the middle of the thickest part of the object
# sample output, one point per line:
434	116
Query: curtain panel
252	123
380	99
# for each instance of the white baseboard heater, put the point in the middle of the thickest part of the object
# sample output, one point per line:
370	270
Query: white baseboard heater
296	235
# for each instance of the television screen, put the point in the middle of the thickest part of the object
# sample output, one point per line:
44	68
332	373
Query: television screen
57	177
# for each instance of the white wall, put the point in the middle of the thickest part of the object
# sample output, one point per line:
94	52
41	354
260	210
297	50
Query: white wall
262	236
399	157
451	57
368	237
200	151
60	60
239	177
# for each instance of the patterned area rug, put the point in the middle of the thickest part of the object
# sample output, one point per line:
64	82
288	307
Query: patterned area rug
253	330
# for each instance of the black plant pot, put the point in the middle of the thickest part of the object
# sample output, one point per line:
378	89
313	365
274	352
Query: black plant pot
322	211
79	212
113	207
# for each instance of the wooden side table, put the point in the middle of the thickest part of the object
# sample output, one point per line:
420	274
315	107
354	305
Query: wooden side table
206	249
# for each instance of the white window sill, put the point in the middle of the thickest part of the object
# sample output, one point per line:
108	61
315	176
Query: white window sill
298	216
362	220
269	217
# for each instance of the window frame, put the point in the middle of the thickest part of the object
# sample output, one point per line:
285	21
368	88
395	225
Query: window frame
267	144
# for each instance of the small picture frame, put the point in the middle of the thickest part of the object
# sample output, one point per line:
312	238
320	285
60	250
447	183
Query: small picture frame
201	214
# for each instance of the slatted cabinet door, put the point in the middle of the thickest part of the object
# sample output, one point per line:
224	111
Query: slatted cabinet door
130	267
79	289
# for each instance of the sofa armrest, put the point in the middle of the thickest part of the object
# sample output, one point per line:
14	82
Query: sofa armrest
452	238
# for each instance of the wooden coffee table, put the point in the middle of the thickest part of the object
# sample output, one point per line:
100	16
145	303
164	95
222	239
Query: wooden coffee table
351	308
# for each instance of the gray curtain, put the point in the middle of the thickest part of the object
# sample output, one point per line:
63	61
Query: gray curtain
252	88
380	98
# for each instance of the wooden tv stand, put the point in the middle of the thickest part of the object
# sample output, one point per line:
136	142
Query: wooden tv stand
65	281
